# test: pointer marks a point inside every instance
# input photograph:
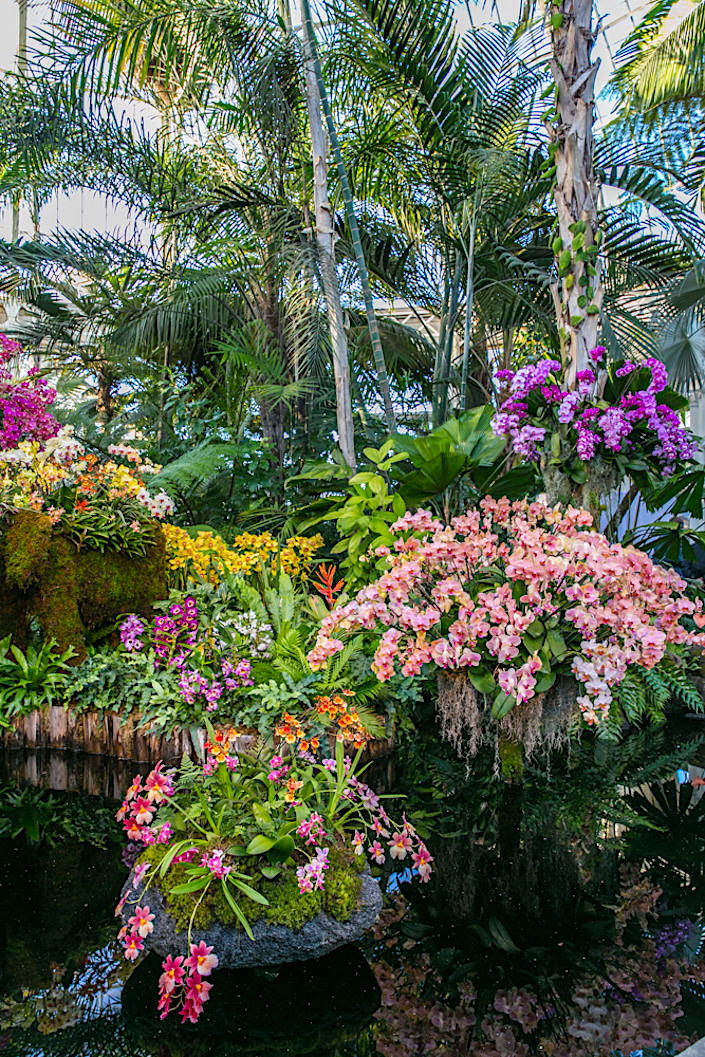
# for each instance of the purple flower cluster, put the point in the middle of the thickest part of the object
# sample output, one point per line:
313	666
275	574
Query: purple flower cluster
671	937
130	632
312	829
192	684
311	875
176	645
236	675
175	634
599	429
24	406
531	377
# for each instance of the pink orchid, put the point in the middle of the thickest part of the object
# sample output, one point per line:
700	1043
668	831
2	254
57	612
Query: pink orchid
201	960
142	920
172	975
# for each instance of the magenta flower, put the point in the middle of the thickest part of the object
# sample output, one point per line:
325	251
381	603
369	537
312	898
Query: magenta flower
142	920
422	860
133	944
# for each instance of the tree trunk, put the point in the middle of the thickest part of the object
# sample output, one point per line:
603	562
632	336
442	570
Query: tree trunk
21	69
326	247
579	299
375	340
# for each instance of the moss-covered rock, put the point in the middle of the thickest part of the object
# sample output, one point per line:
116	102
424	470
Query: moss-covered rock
286	904
71	591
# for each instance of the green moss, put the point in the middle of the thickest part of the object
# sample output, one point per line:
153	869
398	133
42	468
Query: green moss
287	906
69	590
25	547
114	583
54	600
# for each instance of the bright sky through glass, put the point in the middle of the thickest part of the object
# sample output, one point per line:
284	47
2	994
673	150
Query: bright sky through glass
86	210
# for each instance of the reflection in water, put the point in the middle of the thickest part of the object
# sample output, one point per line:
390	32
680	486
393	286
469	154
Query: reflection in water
315	1008
526	942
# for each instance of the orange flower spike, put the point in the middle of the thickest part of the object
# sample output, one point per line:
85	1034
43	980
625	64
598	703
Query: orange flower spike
325	586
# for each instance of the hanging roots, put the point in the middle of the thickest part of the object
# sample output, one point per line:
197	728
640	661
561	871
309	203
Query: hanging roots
467	722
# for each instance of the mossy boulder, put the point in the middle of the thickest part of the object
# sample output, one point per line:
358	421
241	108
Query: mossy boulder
71	592
292	928
286	905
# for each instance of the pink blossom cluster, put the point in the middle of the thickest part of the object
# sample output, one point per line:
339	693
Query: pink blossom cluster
24	405
211	764
139	807
539	403
190	991
132	935
312	829
469	596
278	769
398	843
215	862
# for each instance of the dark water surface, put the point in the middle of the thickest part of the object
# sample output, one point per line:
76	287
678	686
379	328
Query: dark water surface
535	947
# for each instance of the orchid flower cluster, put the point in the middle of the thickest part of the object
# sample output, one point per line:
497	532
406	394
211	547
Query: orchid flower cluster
516	595
96	501
25	413
203	669
238	822
615	412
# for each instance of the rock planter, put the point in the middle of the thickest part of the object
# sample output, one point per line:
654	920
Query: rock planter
273	944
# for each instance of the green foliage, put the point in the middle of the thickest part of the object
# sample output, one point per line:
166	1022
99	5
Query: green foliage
363	514
670	542
250	814
110	525
449	469
50	817
111	681
31	679
646	695
25	546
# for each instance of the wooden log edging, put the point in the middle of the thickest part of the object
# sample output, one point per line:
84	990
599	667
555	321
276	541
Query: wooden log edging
96	733
122	738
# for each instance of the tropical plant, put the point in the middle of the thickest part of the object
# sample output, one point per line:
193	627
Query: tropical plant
31	678
621	420
450	468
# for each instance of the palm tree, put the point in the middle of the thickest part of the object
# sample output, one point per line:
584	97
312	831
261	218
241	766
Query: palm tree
450	145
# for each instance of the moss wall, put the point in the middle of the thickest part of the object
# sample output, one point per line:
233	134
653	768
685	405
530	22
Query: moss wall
71	592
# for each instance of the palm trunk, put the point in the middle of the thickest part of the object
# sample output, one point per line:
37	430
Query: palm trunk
326	247
375	340
469	298
444	389
579	301
21	69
